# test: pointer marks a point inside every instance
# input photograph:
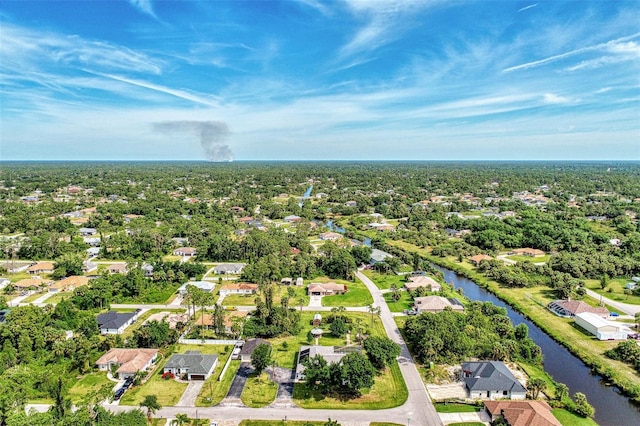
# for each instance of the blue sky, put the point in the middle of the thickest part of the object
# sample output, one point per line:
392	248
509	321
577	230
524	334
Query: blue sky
316	80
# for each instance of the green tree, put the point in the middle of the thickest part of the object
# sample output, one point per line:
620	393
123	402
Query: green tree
356	372
562	391
150	402
535	386
381	351
582	407
261	358
180	420
338	328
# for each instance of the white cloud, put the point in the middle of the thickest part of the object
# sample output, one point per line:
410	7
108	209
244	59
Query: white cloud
144	6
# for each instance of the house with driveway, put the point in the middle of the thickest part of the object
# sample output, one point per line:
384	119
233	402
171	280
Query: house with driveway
113	322
249	346
207	286
422	281
41	268
326	289
192	363
571	308
521	413
129	361
331	354
228	268
239	288
436	304
185	251
601	328
491	380
68	284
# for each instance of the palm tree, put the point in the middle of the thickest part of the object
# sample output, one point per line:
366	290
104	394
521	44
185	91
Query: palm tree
373	310
150	402
180	420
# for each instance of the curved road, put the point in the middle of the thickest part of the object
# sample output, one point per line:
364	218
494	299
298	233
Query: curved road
624	307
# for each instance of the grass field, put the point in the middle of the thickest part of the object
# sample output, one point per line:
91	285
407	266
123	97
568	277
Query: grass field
57	297
443	407
213	390
521	259
405	302
614	290
34	297
357	294
384	281
389	390
259	391
240	300
89	383
569	419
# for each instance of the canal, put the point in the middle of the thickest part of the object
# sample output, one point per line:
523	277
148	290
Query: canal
612	408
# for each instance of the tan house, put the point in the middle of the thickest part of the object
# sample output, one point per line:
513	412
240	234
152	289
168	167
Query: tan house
475	260
129	361
436	304
41	268
422	281
326	289
330	236
34	283
527	252
570	308
521	413
117	268
185	251
69	283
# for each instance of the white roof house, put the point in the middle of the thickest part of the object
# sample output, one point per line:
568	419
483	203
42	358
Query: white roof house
599	327
202	285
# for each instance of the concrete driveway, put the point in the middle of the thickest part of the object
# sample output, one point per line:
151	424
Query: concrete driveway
190	394
315	301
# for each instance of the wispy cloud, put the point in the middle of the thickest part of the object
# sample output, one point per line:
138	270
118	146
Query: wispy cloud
317	5
527	7
144	6
611	45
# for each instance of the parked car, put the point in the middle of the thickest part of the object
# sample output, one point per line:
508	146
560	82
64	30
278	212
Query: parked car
410	312
119	393
614	314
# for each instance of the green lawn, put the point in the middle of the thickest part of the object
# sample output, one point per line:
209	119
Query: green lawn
357	295
57	298
614	291
443	407
240	300
388	390
213	390
167	391
287	356
384	281
405	302
89	383
522	259
567	418
259	391
279	423
35	296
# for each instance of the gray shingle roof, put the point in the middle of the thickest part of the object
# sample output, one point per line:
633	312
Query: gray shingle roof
114	319
491	376
194	361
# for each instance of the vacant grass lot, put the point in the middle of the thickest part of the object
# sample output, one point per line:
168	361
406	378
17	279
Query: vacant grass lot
384	281
259	391
213	390
521	259
389	390
443	407
614	290
405	302
240	300
89	383
57	298
357	294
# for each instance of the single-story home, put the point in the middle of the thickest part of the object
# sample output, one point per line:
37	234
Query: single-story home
117	268
207	286
93	252
475	260
185	251
229	268
292	219
113	322
331	354
531	252
229	319
491	380
87	232
326	289
422	281
521	413
631	285
378	256
330	236
239	288
13	266
192	363
129	361
381	226
88	266
69	283
602	329
570	308
41	268
436	304
351	203
286	281
92	241
33	283
249	346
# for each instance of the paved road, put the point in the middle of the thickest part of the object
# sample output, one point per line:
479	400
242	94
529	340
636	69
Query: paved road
623	307
418	405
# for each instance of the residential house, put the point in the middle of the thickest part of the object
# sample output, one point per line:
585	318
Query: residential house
129	361
331	354
436	304
32	284
249	346
13	266
117	268
382	227
4	282
92	241
229	268
207	286
293	219
185	251
570	308
475	260
147	269
527	252
378	256
521	413
602	329
491	380
330	236
245	219
286	281
113	322
631	285
422	281
326	289
455	233
41	268
93	252
192	363
180	241
238	288
68	284
87	232
351	203
229	320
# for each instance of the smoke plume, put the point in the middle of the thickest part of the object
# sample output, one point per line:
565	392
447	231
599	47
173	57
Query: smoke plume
212	136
